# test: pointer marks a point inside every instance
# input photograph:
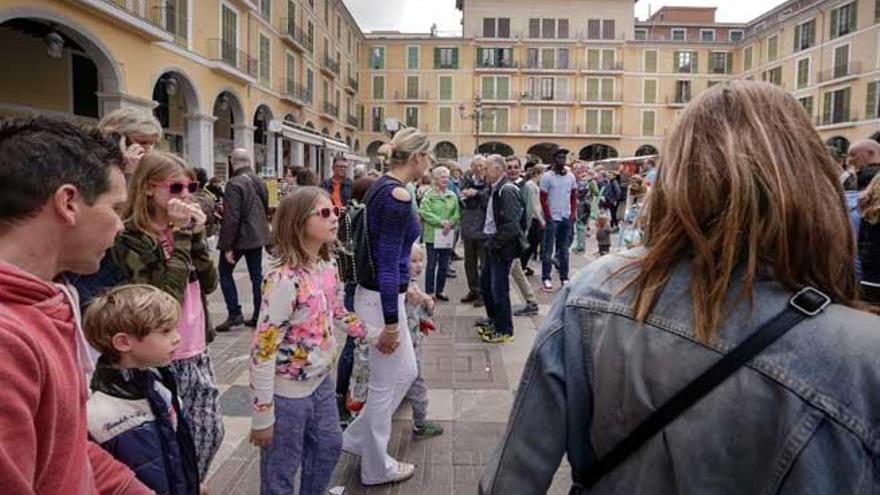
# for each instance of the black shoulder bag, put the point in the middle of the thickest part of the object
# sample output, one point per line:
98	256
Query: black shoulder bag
805	304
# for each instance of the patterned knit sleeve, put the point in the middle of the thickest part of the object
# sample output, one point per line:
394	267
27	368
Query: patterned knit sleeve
275	313
394	217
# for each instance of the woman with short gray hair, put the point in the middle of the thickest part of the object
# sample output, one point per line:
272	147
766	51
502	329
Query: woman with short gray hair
440	214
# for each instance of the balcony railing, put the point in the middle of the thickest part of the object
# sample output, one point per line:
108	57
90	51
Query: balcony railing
412	95
295	34
839	71
604	67
678	100
553	65
295	91
599	99
331	109
331	64
168	15
229	54
545	97
497	64
353	83
352	121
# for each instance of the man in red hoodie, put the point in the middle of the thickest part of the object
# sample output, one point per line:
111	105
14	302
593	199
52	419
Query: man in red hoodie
60	188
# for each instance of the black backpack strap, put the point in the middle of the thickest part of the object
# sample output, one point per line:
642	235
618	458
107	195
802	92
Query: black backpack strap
806	303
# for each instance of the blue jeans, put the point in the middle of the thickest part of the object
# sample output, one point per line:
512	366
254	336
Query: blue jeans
438	267
496	292
346	358
306	434
558	234
254	259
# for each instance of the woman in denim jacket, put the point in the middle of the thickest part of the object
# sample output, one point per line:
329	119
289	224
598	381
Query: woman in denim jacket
746	210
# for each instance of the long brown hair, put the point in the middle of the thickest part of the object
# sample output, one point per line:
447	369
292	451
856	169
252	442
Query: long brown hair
744	183
869	201
155	166
289	227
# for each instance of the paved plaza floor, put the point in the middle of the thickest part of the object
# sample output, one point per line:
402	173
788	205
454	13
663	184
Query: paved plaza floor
472	386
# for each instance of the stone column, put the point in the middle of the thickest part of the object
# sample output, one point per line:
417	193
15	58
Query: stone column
200	141
244	136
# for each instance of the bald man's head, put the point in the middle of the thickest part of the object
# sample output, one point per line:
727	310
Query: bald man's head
240	158
863	153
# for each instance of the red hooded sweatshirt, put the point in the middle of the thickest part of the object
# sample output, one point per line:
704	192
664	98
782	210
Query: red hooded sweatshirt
44	445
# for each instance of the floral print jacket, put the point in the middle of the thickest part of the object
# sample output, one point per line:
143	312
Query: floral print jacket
293	346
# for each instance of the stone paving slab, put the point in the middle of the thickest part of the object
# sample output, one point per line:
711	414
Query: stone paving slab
471	389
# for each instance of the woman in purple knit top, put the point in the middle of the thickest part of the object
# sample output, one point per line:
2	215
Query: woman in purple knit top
393	228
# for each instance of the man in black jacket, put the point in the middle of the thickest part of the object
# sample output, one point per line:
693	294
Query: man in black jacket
504	244
244	232
474	199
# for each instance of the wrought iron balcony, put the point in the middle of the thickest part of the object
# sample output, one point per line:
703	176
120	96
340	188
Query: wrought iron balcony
231	56
295	35
331	109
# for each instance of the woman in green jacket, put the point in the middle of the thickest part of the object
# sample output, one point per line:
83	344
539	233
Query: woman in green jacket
440	214
163	245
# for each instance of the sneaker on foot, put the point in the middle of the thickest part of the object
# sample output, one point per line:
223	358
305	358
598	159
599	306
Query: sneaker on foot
547	286
428	430
232	321
441	297
530	309
564	284
497	338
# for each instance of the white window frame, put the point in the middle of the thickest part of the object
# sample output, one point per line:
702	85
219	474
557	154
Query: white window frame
601	80
729	55
418	57
406	110
642	30
495	79
229	6
752	64
373	87
849	54
288	54
406	78
656	90
642	122
384	58
816	32
451	118
767	52
797	64
540	113
707	31
381	123
490	114
683	32
742	35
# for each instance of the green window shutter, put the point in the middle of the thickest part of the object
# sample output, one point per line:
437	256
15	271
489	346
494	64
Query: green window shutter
412	58
650	91
548	58
871	108
479	59
607	121
436	58
651	61
607	89
608	59
728	65
797	38
592	122
592	89
648	123
445	119
446	88
488	88
593	59
826	108
547	120
501	120
378	88
503	88
846	101
676	56
695	64
853	16
455	58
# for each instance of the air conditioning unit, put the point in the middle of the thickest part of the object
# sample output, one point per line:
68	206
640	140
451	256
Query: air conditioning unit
529	128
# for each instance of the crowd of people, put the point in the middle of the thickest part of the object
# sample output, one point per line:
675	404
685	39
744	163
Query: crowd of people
106	261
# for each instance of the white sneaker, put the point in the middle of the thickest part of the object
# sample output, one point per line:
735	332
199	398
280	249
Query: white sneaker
564	284
547	286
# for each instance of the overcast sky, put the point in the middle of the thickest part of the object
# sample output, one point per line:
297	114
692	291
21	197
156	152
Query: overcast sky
418	15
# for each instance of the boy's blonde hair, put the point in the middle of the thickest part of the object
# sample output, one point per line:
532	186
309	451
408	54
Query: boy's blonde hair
416	250
135	310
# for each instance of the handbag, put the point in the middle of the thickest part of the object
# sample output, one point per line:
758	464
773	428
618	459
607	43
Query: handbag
808	302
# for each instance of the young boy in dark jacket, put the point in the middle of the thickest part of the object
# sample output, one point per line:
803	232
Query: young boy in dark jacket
134	412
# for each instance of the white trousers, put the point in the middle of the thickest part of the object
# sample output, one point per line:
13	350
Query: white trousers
390	378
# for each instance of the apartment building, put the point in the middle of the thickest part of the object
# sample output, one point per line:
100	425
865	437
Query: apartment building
587	76
298	81
276	76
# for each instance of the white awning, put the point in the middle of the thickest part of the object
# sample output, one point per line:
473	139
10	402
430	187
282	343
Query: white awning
334	145
291	132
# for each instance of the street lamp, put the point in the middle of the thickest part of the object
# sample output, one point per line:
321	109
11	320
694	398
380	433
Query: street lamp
476	115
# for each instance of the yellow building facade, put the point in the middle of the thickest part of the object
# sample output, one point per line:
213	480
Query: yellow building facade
298	81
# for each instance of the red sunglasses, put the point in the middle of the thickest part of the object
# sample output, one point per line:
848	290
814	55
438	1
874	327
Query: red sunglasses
178	187
326	212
